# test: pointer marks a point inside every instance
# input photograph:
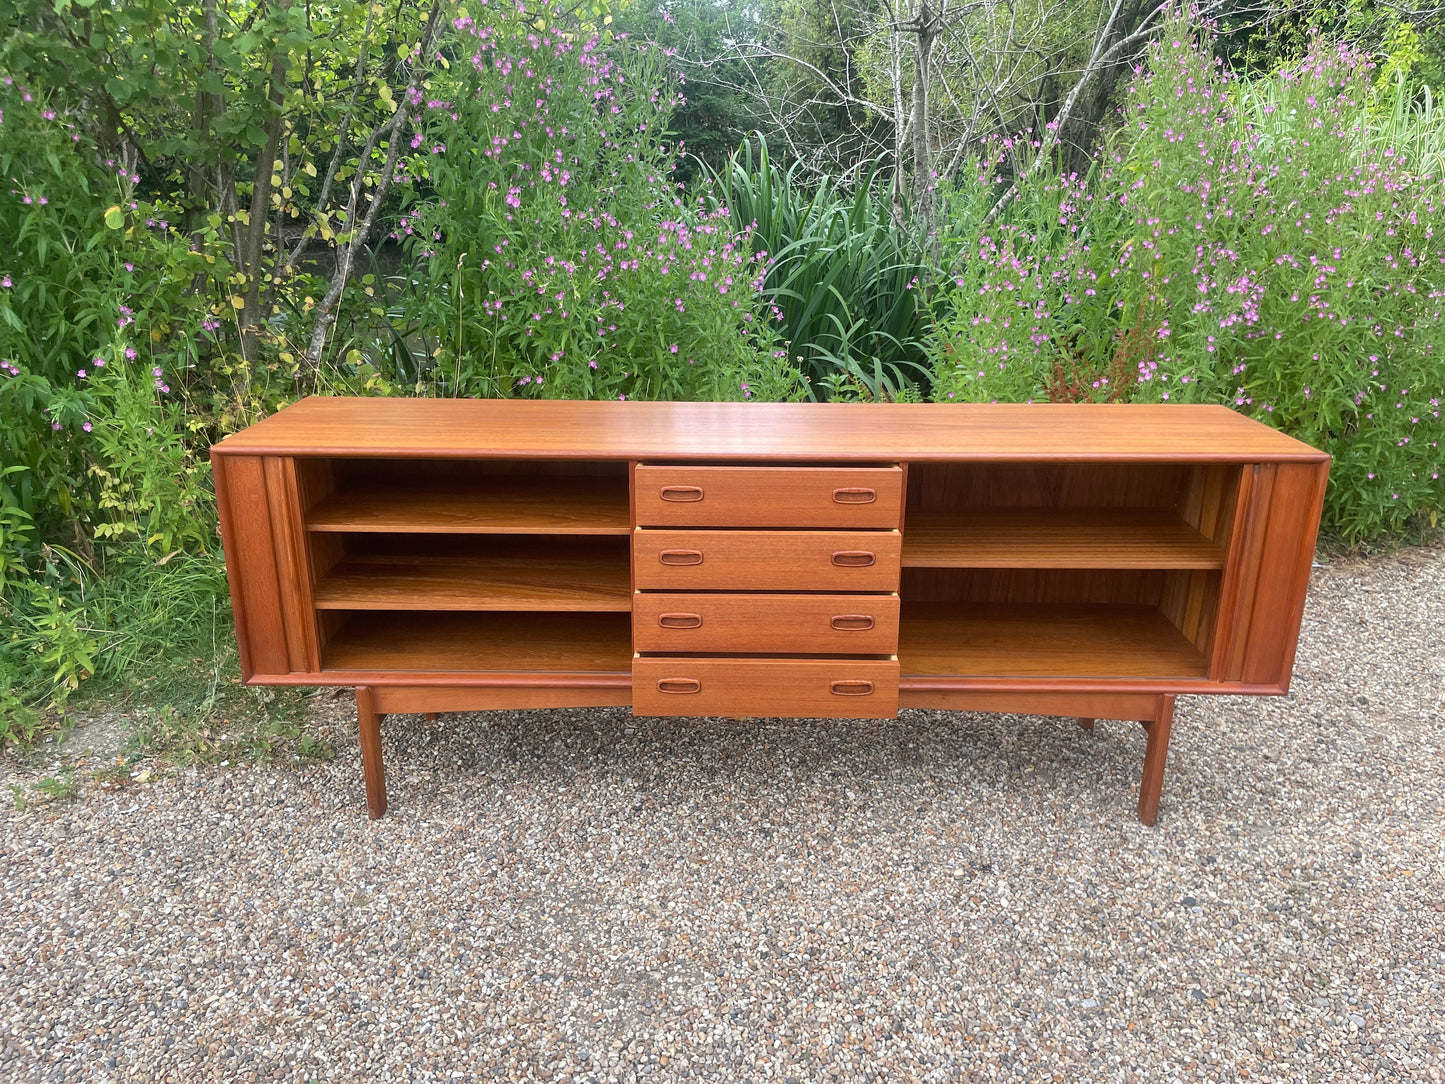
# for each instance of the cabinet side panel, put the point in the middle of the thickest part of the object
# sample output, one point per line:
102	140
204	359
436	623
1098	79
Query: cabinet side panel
288	535
1241	571
1292	523
245	517
1268	571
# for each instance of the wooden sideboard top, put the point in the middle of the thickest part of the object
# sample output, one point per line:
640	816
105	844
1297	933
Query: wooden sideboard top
760	432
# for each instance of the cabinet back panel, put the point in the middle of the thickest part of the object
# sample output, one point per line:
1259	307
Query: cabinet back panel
1130	587
939	487
1191	603
365	473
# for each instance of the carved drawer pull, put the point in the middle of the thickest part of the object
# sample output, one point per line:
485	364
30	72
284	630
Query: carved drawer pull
853	558
852	622
684	557
681	494
855	495
856	687
680	621
679	685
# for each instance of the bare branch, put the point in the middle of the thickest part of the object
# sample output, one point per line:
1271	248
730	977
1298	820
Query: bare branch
342	131
392	131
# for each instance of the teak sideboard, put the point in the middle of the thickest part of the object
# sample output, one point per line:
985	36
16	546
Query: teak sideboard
768	560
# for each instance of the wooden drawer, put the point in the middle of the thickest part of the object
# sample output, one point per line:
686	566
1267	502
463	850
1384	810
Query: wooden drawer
787	624
766	560
766	688
769	496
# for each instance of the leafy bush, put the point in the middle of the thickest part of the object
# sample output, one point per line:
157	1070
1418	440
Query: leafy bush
98	479
845	279
1030	310
1278	258
558	260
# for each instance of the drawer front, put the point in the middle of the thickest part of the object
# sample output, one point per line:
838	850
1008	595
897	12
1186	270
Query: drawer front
766	560
766	688
769	496
784	624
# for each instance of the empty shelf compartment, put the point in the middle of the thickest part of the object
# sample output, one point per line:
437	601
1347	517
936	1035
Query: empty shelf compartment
486	573
1056	538
481	642
1043	640
542	504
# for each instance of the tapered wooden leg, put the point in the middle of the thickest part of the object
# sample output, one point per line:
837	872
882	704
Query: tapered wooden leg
1087	724
429	716
369	722
1155	751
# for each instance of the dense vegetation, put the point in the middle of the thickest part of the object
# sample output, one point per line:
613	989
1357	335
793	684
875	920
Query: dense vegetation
211	209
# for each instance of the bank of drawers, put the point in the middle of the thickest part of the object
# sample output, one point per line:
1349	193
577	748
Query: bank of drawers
766	591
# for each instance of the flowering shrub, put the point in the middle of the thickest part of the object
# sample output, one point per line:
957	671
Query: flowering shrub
87	292
1294	274
1288	268
1026	311
98	334
559	261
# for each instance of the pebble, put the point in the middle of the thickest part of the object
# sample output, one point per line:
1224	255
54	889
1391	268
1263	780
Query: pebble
583	896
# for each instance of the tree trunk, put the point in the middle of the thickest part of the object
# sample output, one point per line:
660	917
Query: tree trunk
926	31
259	213
900	119
394	131
197	181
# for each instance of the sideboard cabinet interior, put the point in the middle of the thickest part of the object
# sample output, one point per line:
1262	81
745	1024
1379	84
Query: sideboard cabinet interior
765	560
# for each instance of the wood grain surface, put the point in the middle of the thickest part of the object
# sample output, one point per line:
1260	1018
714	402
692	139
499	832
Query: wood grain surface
512	642
766	560
249	538
412	699
1056	538
767	688
1043	641
550	575
566	505
793	624
763	432
1137	484
692	496
1280	569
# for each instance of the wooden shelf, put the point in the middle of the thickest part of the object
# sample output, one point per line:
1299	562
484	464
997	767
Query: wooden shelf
540	504
1055	538
530	575
507	642
1096	641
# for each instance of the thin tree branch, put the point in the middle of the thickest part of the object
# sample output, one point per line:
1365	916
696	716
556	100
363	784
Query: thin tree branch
393	129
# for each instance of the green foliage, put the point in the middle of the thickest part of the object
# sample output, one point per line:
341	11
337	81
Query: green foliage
59	788
712	114
151	152
558	261
1274	255
847	282
1031	310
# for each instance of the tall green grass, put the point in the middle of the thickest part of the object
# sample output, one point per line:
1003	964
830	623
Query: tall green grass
846	279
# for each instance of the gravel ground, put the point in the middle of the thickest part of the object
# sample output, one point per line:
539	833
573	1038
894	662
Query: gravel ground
577	895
